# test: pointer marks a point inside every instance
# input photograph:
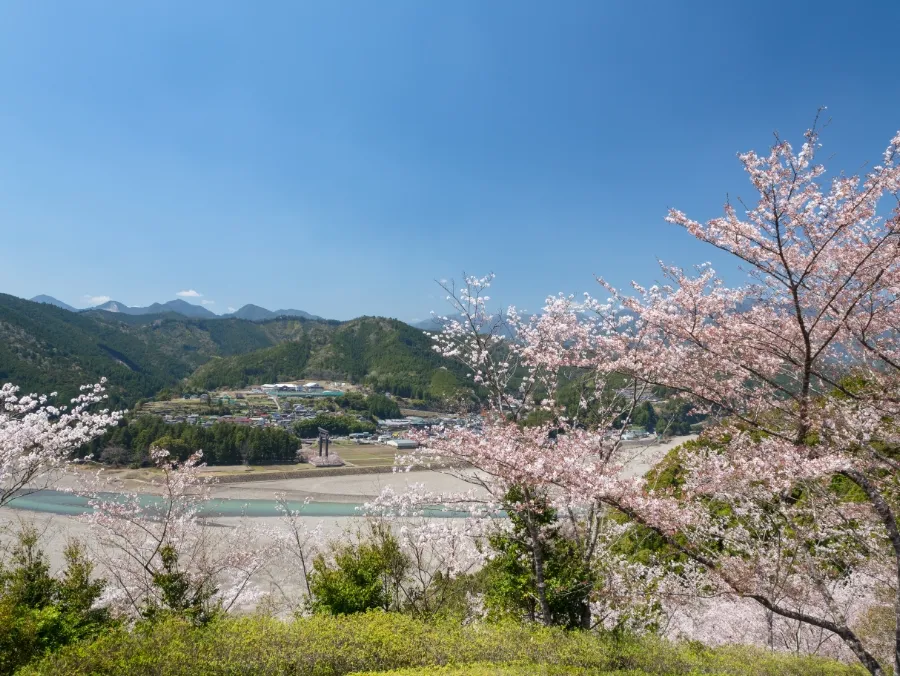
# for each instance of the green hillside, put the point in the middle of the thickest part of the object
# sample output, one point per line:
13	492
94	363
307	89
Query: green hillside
384	353
45	348
282	362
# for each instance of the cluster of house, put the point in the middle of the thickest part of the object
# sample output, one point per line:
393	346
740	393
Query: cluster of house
259	420
310	389
291	387
390	431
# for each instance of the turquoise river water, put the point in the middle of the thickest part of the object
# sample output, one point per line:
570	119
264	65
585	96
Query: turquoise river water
60	502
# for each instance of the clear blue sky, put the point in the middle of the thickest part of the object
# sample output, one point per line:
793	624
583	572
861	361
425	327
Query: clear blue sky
339	156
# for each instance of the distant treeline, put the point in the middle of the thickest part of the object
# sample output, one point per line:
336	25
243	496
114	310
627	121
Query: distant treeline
336	424
222	443
377	405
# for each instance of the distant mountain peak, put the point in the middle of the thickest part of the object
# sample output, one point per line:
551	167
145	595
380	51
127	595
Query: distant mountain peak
181	307
178	306
255	313
50	300
115	306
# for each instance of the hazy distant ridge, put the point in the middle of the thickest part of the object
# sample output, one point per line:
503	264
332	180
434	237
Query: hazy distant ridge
250	312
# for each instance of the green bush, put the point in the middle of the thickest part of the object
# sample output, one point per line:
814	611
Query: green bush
528	669
360	575
39	612
326	645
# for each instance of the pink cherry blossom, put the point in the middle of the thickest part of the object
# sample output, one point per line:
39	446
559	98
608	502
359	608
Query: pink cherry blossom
798	371
37	438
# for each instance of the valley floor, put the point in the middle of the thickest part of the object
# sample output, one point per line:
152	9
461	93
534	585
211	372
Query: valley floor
59	529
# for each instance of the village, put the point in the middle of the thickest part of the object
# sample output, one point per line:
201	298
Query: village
283	405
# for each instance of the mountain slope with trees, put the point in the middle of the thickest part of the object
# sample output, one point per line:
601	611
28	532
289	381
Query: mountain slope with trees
383	353
46	348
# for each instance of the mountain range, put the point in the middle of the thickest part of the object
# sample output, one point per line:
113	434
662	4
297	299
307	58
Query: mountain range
45	348
250	312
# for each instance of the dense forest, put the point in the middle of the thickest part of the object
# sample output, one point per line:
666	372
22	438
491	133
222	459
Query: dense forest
222	444
336	424
274	364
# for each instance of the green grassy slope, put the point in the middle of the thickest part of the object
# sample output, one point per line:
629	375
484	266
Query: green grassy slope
377	642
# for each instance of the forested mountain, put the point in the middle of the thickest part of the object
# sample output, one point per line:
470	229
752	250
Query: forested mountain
256	313
384	353
44	298
178	306
45	348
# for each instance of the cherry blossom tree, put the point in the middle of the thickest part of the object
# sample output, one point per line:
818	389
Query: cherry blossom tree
299	544
789	500
159	552
530	444
37	437
801	364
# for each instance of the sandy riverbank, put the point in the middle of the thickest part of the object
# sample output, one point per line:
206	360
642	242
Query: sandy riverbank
57	529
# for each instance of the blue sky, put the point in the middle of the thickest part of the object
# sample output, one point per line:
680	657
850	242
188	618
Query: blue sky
337	157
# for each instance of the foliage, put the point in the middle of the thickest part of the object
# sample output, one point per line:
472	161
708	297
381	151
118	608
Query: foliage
511	584
222	443
336	424
37	437
359	575
179	593
676	417
645	416
271	365
382	407
337	645
444	385
482	669
40	613
45	348
376	404
385	354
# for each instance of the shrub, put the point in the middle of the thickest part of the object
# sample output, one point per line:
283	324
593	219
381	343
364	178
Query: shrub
359	575
38	612
325	645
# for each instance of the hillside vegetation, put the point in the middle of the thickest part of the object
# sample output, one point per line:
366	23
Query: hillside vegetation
384	353
377	642
44	348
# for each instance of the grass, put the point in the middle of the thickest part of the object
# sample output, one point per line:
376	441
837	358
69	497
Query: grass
363	455
380	643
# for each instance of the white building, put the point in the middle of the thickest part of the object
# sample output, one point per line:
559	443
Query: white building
403	443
